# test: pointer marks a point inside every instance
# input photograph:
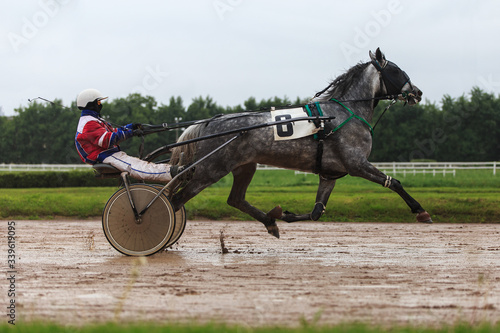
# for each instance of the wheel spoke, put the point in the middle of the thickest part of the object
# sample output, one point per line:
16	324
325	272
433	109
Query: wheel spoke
138	239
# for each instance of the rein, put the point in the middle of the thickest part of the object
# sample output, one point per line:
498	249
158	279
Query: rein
353	115
383	112
385	79
392	98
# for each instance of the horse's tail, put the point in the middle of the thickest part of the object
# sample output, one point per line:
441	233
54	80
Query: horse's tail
187	150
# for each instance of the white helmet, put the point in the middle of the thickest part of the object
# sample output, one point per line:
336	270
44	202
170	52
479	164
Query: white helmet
87	96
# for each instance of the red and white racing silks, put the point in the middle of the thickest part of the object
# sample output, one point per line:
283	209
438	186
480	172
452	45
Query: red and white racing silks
96	139
97	142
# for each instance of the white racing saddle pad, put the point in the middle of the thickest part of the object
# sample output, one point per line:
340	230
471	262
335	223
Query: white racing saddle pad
292	130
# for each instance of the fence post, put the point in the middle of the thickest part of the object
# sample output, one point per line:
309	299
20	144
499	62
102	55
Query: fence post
494	168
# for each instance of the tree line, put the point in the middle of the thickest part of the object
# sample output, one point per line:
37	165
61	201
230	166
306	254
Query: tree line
459	129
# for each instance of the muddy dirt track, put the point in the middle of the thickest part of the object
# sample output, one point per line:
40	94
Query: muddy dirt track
337	272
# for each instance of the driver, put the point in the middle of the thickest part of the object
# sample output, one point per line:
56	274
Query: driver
97	142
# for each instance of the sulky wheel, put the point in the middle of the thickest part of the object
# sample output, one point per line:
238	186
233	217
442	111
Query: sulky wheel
142	237
180	225
180	221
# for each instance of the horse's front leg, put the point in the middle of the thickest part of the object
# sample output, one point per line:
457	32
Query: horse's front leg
368	171
325	188
242	177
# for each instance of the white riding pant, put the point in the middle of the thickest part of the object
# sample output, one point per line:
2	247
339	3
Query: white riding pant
138	168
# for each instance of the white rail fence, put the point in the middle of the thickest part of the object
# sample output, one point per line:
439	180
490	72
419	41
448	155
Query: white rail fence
434	168
43	167
392	168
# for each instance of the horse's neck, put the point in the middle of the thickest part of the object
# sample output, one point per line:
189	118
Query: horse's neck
360	96
364	92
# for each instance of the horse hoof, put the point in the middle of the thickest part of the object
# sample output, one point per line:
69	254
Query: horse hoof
424	217
319	209
275	213
273	230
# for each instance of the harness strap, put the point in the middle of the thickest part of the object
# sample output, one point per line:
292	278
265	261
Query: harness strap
314	110
319	157
388	78
348	119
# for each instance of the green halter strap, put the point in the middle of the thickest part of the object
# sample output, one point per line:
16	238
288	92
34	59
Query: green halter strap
348	119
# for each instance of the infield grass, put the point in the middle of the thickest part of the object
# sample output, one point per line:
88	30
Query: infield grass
472	196
221	328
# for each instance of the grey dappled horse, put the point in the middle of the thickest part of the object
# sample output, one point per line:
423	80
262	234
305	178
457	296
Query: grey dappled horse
346	143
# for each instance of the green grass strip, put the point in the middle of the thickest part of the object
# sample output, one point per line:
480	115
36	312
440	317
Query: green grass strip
473	197
221	328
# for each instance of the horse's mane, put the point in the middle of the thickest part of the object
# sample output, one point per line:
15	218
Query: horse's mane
338	87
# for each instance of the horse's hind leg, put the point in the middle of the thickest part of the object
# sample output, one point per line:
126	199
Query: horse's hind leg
368	171
325	188
242	177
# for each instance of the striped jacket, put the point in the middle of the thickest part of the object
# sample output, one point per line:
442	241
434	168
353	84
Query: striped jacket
96	139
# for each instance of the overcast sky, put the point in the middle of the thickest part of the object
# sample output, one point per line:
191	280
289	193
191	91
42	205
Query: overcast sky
234	49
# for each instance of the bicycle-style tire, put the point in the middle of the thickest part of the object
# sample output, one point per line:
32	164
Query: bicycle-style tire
154	230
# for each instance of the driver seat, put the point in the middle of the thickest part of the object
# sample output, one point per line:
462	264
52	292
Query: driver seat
103	170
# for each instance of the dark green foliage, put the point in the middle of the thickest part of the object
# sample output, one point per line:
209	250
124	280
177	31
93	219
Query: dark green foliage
459	129
41	179
464	129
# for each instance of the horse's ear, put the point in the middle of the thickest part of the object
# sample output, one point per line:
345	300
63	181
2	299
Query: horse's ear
378	57
372	56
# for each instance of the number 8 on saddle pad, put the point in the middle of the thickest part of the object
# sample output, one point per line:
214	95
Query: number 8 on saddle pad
292	130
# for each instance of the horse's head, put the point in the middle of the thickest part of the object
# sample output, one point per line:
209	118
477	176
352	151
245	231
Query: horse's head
396	81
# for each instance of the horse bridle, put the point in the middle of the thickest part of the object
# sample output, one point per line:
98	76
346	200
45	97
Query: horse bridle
389	82
390	75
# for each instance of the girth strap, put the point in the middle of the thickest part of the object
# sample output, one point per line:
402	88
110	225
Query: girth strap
319	157
314	110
